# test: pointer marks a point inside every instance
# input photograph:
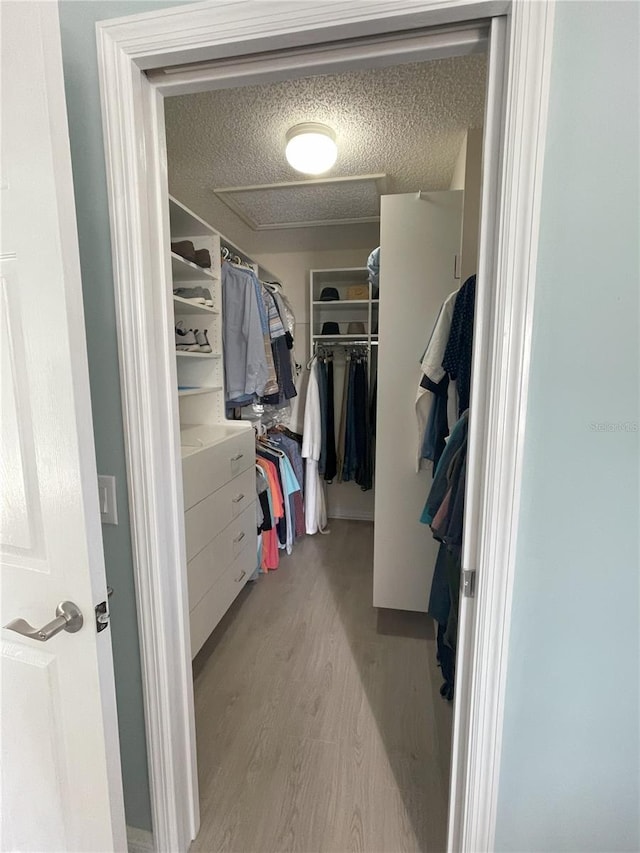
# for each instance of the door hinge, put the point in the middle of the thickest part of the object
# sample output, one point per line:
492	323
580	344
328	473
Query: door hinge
469	583
102	613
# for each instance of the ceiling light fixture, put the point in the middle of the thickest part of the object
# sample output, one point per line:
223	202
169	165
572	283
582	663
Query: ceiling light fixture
311	147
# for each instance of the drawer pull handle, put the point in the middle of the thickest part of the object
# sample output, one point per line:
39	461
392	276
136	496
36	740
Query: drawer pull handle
242	574
237	457
238	499
239	538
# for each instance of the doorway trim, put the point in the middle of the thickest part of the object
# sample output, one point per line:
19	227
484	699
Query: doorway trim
515	130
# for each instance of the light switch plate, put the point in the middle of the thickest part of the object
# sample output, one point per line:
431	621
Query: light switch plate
107	498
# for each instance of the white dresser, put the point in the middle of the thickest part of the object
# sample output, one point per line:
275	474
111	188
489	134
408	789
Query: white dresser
218	473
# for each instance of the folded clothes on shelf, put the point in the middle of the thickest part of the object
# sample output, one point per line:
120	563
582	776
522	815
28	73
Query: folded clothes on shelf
197	295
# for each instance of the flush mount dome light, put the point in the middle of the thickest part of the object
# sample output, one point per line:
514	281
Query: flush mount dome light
311	147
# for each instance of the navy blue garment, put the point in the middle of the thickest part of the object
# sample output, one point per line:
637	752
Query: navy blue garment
439	598
350	452
437	428
373	408
282	360
447	663
362	432
282	364
457	355
331	462
322	390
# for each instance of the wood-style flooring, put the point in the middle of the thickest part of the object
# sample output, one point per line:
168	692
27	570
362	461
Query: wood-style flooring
318	718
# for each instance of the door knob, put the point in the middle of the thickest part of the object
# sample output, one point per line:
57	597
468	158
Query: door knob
68	618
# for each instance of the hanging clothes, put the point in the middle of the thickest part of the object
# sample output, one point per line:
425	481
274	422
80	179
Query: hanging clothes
245	363
257	341
447	359
433	388
289	485
315	506
270	551
457	356
444	512
331	468
342	429
358	459
279	337
363	476
291	448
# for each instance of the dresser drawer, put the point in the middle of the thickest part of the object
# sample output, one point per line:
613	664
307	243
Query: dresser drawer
207	566
209	469
206	519
212	607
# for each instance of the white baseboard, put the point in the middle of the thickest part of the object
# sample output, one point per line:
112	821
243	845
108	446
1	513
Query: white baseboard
139	840
351	516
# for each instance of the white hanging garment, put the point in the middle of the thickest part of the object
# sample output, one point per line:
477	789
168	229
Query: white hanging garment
315	510
431	366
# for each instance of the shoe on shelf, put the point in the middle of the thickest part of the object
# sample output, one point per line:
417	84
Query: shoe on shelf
185	249
208	301
202	258
191	294
185	339
202	340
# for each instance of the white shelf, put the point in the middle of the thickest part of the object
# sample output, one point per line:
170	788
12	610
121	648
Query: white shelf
346	275
184	306
182	354
185	223
184	270
362	337
341	303
192	392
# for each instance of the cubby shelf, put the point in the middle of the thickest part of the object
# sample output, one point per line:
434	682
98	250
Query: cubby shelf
184	270
184	306
192	392
181	354
344	303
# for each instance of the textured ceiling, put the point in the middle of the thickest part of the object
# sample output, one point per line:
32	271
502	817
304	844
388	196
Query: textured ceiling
296	206
406	121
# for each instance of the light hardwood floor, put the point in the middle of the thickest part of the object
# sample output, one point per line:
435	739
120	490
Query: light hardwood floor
319	723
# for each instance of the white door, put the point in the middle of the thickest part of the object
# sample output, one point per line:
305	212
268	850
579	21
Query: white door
419	238
61	783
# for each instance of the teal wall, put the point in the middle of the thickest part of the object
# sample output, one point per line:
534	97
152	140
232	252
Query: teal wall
570	758
77	24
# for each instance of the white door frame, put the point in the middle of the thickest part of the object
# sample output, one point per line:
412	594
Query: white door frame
229	35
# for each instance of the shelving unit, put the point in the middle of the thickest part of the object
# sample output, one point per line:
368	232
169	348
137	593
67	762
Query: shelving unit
201	371
343	310
218	455
344	500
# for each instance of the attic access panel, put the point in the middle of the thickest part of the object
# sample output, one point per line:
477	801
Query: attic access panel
323	201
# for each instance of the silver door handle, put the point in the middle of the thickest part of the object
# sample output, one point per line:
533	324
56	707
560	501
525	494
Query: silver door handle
239	537
68	618
242	574
238	499
237	457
